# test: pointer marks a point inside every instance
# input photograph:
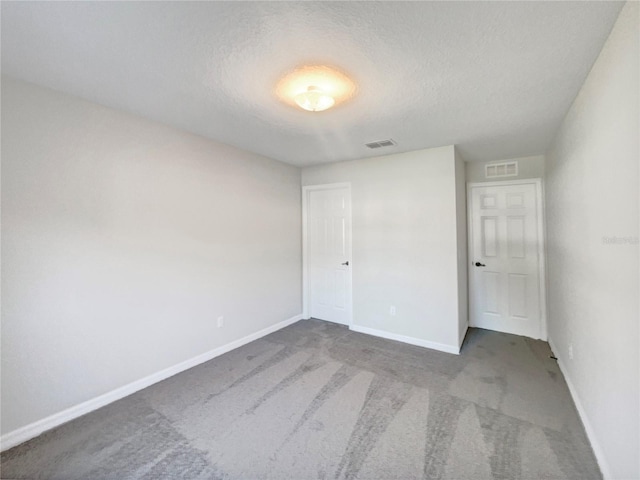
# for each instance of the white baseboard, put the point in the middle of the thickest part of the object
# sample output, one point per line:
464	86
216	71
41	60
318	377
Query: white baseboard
410	340
591	434
16	437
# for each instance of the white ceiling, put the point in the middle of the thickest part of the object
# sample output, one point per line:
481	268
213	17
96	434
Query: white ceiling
495	78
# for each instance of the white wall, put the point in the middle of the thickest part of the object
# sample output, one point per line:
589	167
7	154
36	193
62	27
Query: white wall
404	242
528	167
461	229
592	196
122	242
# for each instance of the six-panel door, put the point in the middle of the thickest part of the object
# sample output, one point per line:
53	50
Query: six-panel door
329	241
504	278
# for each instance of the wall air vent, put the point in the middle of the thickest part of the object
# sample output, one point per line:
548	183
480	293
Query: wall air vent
381	143
504	169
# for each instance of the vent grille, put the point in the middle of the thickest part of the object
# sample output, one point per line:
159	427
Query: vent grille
504	169
381	143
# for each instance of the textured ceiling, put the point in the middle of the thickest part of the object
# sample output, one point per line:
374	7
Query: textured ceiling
495	78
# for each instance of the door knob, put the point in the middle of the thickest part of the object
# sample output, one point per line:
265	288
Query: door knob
478	264
346	263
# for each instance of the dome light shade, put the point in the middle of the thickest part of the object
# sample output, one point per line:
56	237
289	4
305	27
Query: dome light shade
315	88
314	100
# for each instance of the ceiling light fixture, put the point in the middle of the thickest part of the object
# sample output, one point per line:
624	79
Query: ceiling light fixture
314	100
315	87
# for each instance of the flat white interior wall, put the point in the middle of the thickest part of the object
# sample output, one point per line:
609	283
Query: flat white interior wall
528	167
461	229
592	199
404	241
122	242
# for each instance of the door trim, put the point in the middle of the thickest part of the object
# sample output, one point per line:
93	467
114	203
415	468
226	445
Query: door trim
306	191
542	280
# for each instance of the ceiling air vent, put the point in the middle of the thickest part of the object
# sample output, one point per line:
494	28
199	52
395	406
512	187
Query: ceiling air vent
504	169
381	143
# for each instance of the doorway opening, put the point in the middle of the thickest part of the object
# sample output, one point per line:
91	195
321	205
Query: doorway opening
506	255
326	252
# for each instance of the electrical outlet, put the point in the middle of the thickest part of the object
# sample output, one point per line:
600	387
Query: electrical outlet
220	322
392	310
571	351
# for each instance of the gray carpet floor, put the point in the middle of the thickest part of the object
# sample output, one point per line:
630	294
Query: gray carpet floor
315	400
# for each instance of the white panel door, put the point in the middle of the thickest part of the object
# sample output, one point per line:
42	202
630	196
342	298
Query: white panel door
504	277
329	247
